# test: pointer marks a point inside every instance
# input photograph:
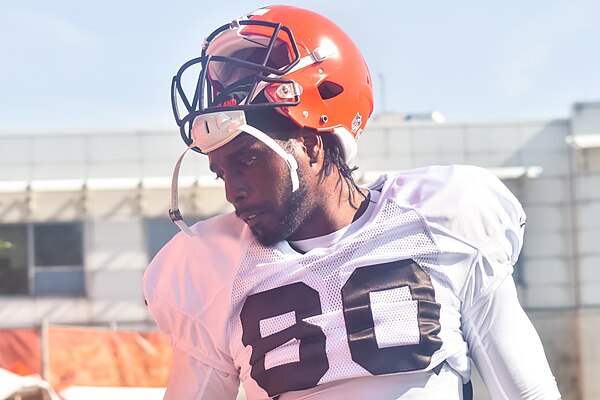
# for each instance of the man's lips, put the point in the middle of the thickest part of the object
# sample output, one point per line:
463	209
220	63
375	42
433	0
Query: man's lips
250	216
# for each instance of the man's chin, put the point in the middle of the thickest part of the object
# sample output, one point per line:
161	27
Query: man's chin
267	238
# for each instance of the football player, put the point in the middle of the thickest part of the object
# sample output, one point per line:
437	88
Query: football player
316	287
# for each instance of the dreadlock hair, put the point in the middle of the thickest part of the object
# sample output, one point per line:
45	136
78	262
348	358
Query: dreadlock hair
334	159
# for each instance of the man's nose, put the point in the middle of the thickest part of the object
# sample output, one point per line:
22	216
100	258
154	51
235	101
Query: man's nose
236	190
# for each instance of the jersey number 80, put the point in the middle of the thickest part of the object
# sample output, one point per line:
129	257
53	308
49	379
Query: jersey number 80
304	301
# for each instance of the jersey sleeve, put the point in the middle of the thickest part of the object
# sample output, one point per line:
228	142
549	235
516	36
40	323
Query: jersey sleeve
507	350
187	287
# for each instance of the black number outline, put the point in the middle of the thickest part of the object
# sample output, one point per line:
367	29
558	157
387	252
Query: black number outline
313	363
360	327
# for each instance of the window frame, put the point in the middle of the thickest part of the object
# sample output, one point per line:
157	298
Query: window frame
33	270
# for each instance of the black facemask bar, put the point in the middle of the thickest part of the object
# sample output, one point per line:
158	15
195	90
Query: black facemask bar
202	99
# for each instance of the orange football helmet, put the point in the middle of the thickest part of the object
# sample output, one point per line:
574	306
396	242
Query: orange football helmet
283	57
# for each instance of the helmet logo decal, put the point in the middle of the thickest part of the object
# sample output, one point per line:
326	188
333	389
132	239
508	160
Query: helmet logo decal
356	122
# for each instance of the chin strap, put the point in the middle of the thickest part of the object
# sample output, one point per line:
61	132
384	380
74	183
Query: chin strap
174	212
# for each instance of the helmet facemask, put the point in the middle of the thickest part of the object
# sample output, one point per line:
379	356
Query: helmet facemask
240	63
229	86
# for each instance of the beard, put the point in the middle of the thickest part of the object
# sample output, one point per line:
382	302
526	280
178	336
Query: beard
292	214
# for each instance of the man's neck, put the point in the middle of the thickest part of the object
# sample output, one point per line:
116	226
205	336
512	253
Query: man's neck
335	210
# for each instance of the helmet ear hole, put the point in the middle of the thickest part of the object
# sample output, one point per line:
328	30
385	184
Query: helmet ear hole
328	89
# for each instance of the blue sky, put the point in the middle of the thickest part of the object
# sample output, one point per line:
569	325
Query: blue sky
95	65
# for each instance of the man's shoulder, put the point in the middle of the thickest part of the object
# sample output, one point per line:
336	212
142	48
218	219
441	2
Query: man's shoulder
211	256
465	201
422	185
187	286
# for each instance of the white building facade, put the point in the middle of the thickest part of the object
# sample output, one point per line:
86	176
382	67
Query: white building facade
82	214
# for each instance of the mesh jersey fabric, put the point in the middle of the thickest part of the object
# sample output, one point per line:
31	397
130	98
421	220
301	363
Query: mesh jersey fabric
386	300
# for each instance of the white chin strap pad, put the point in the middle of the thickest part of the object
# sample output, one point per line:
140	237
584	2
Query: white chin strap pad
211	131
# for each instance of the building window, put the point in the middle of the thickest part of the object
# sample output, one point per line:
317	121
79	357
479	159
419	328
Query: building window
42	259
14	273
160	230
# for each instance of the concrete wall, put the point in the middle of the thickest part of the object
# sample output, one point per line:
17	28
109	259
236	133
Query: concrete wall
585	124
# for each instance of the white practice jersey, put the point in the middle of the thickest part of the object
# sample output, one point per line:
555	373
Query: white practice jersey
385	300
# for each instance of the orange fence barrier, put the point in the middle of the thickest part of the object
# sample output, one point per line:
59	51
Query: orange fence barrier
70	356
21	351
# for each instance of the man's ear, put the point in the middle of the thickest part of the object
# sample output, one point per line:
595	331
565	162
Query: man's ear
313	144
